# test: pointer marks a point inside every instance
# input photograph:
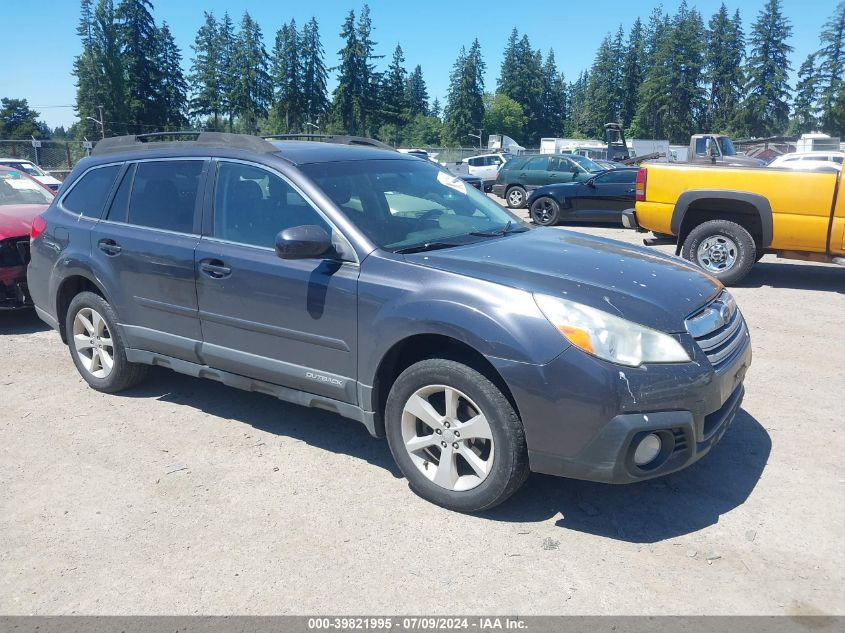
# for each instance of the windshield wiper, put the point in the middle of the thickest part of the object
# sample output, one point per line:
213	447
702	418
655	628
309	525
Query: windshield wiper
505	230
427	246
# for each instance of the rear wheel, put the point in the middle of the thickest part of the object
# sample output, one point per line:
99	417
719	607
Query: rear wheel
723	248
545	211
455	436
96	346
515	197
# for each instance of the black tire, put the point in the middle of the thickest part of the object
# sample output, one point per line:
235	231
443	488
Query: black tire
123	374
515	197
725	237
545	211
509	468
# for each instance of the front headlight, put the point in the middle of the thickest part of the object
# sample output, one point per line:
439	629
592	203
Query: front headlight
609	337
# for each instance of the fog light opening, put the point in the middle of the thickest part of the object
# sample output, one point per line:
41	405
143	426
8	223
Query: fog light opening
648	449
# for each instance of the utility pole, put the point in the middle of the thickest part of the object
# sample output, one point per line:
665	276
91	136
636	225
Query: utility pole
99	121
479	137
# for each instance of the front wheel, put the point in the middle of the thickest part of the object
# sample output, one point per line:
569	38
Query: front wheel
545	211
455	436
515	197
723	248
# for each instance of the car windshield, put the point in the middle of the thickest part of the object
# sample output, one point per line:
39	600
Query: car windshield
727	146
15	188
26	167
403	204
586	163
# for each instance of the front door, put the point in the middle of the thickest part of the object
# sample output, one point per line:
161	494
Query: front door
611	193
561	169
287	322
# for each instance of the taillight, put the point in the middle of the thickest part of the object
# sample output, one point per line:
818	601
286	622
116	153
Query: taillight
641	179
37	228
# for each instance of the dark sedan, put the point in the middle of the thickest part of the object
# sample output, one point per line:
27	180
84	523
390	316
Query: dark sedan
601	198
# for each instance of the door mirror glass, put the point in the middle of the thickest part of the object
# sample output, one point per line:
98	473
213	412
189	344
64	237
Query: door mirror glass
303	242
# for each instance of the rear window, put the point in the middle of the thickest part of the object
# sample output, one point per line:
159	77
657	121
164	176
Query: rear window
89	194
164	194
15	188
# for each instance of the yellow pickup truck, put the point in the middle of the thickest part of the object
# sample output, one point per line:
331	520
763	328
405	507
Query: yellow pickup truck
726	218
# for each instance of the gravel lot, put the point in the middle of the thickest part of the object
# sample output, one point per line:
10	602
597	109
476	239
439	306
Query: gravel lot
184	496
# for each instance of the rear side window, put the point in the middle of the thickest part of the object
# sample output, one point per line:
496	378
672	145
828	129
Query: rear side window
537	163
164	194
89	194
119	210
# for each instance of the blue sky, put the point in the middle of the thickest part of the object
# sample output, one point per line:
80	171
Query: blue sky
38	59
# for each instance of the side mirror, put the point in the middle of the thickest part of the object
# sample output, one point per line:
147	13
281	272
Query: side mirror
591	182
303	242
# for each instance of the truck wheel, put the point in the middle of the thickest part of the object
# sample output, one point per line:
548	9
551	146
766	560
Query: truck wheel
723	248
545	212
515	197
96	346
455	436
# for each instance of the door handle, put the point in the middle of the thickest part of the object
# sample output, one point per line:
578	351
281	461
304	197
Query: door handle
215	268
109	247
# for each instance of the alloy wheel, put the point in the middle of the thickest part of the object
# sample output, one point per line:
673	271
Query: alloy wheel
93	343
515	197
448	437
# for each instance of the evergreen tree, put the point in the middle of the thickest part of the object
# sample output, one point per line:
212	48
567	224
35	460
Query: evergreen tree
252	89
725	51
139	52
416	93
395	109
370	80
578	119
314	75
765	110
346	102
633	65
465	105
554	98
226	45
287	76
603	103
206	73
174	88
832	67
19	121
805	107
436	109
521	79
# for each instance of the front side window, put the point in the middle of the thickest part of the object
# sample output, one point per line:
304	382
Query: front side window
164	194
400	204
15	188
617	176
585	163
88	196
252	205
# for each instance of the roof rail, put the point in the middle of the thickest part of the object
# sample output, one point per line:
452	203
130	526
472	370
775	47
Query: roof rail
340	139
156	140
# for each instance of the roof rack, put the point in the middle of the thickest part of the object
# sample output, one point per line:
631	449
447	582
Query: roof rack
156	140
340	139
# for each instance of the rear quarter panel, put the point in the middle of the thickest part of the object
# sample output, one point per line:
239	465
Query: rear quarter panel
800	201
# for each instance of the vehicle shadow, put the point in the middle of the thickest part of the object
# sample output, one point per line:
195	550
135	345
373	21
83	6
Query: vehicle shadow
795	276
656	510
321	429
21	322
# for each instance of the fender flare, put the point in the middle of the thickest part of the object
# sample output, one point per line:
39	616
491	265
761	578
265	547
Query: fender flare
760	203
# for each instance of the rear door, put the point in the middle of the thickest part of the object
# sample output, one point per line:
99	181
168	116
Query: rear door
535	172
287	322
144	249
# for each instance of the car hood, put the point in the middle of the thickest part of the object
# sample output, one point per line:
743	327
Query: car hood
16	219
644	286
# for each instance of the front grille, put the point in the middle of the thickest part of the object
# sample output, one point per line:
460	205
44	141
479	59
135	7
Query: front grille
23	250
14	252
719	330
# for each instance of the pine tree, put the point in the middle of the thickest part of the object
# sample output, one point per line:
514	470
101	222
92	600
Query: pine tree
633	65
521	79
805	107
578	119
603	104
832	67
395	109
206	73
554	98
226	45
346	101
436	109
174	88
765	110
139	40
253	89
724	56
416	93
370	80
287	75
88	71
314	75
465	107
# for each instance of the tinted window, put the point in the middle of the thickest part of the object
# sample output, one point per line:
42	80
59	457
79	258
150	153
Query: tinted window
836	159
88	196
119	209
537	163
164	194
475	162
618	176
251	206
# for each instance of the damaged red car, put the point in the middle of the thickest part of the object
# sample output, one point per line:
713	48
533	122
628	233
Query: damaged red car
22	200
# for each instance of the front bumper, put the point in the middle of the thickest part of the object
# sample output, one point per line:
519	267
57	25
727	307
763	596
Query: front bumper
14	293
584	417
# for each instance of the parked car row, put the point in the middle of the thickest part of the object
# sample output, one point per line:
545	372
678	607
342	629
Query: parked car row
33	171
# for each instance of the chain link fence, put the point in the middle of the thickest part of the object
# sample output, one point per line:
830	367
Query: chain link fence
55	157
457	154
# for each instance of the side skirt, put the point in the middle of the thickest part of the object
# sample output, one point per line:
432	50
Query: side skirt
302	398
